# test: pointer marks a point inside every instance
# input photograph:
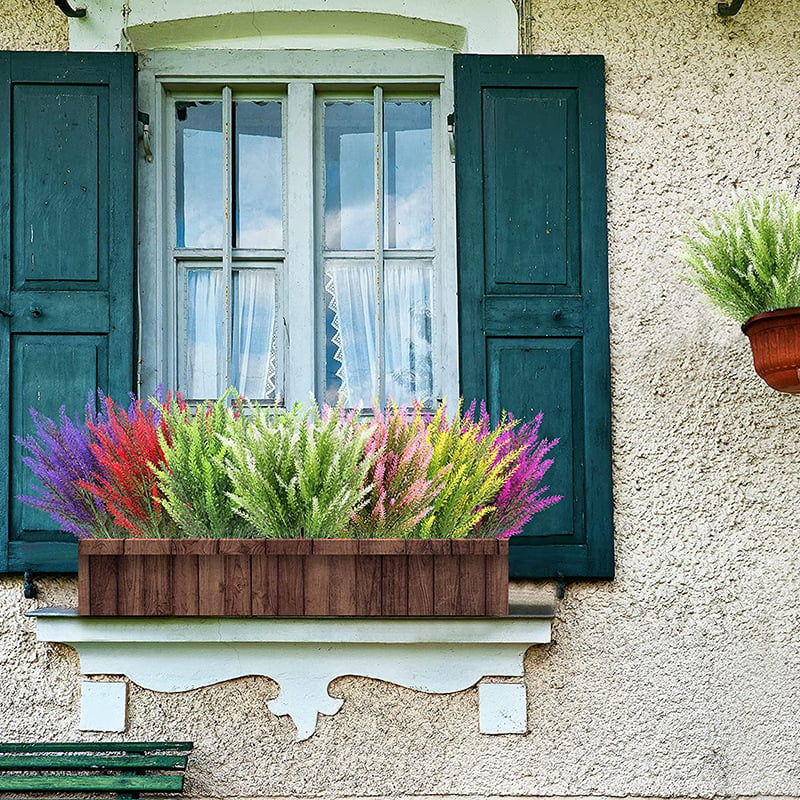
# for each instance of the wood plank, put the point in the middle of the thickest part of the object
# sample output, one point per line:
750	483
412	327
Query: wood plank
210	585
428	547
148	547
497	585
84	583
335	547
317	578
342	586
368	586
382	547
290	547
445	585
66	762
157	578
291	585
241	547
420	586
130	588
93	783
394	586
472	585
194	547
185	585
92	747
474	547
237	585
264	585
101	547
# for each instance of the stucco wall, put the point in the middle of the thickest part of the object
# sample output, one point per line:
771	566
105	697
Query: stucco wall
32	25
682	677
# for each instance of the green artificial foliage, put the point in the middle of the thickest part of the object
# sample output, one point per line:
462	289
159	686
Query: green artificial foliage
748	261
193	483
298	473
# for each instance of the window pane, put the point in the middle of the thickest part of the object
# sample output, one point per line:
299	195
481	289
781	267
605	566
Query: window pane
205	333
198	173
351	358
349	176
259	182
407	176
409	351
253	354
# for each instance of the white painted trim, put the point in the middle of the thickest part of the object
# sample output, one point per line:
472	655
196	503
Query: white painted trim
471	26
302	655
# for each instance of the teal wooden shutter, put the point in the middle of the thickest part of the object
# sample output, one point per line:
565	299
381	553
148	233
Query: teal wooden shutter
67	211
533	287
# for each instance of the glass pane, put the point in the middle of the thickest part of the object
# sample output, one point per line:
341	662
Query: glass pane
204	346
259	181
351	356
409	351
407	176
198	173
253	355
349	176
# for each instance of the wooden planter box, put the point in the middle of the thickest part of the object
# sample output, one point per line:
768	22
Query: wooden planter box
306	577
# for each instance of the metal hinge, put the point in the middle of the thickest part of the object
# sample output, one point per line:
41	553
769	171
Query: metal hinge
144	119
69	10
730	8
451	132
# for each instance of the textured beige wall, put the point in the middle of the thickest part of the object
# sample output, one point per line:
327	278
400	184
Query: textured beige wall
32	25
682	677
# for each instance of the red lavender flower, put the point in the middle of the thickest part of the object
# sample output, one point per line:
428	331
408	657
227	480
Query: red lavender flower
126	446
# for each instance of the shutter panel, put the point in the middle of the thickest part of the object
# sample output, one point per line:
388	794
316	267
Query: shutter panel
533	287
67	159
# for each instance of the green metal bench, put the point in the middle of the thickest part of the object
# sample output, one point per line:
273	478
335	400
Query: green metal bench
124	770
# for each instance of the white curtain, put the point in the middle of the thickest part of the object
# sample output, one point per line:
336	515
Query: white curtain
252	369
408	350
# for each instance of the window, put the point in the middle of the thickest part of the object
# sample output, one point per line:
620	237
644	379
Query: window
305	253
296	235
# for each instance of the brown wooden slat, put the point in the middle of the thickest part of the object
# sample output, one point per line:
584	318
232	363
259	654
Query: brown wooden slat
101	547
472	585
290	586
428	547
241	547
237	582
84	583
497	585
474	547
148	547
157	579
290	547
342	586
368	586
194	547
210	585
317	579
394	585
335	547
264	586
185	585
104	577
445	585
130	589
420	586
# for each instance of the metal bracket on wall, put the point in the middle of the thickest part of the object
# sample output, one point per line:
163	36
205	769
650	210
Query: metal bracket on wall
730	8
28	588
69	10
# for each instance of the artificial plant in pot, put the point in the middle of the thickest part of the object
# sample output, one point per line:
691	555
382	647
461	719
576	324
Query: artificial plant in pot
230	508
747	261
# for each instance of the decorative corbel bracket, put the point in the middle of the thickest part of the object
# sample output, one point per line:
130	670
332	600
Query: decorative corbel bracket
303	655
69	10
730	8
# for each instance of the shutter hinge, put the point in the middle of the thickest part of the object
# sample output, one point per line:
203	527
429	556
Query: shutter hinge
28	587
144	120
451	132
69	10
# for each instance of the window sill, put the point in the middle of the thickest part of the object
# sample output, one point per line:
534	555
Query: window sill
303	655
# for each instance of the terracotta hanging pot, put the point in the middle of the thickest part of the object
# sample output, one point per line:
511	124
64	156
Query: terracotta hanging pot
775	342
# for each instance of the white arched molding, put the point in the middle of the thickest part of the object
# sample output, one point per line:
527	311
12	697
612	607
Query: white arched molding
469	26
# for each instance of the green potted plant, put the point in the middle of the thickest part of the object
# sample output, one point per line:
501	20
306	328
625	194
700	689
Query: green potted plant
747	261
233	509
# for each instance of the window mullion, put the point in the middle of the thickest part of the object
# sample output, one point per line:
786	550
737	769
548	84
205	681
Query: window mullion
380	306
227	233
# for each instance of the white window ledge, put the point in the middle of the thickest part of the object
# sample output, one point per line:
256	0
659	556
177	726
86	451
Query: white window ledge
303	655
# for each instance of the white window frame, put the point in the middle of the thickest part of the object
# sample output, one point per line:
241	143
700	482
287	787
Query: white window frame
300	299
